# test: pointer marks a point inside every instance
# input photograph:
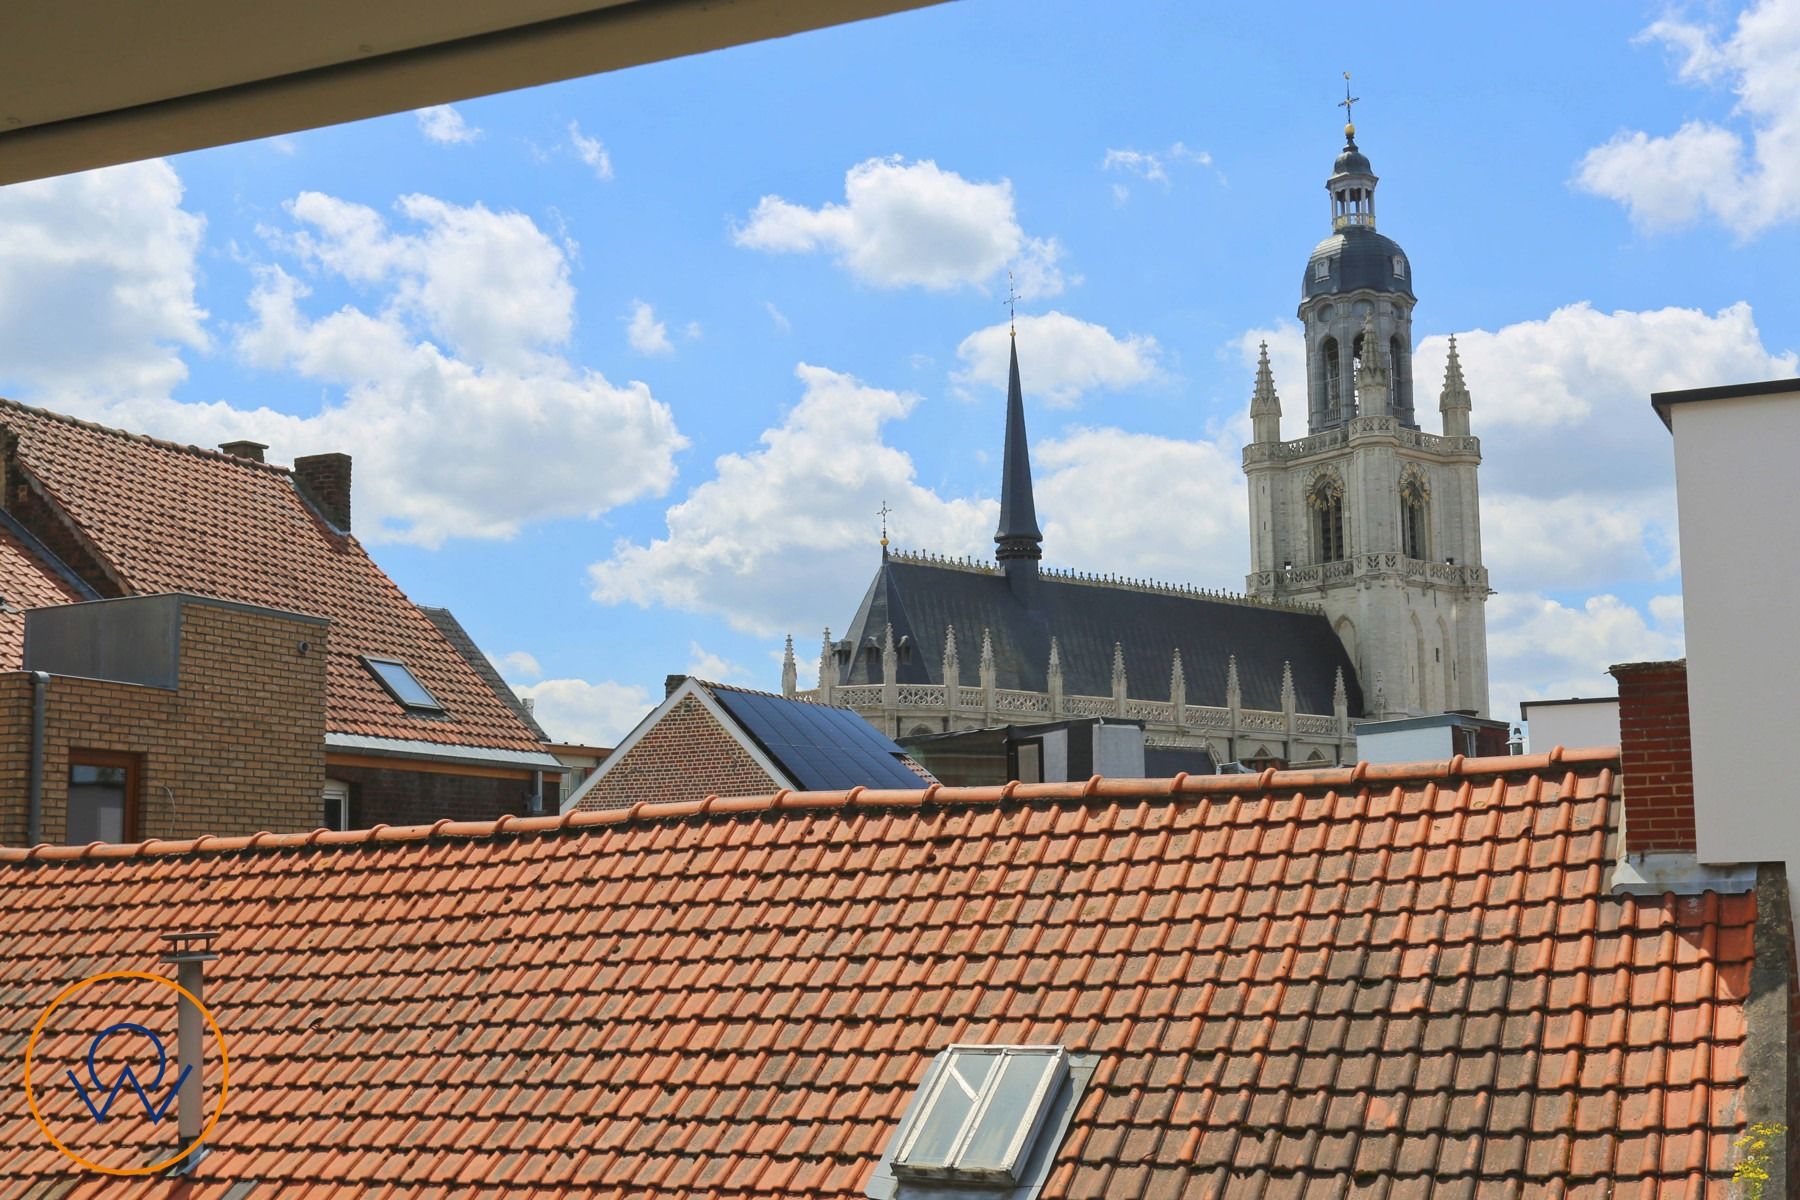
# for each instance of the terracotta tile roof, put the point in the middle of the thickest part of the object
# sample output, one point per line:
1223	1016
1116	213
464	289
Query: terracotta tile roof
26	581
1390	981
166	517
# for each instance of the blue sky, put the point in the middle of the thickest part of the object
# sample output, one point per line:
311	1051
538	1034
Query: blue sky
628	363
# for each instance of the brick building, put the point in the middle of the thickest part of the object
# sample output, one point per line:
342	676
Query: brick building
710	739
402	727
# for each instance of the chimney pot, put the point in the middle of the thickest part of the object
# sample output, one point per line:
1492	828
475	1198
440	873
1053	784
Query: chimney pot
244	449
324	479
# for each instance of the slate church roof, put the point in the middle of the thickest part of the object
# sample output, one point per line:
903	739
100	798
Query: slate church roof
1400	981
1021	608
919	598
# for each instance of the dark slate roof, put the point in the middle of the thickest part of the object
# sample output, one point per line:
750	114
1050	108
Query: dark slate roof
1018	533
819	747
1362	259
465	645
1351	162
919	599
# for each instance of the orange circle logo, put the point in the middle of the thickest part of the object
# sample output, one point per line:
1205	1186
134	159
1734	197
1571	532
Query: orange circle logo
224	1071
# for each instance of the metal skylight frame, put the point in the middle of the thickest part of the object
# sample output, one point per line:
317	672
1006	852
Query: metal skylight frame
1010	1170
372	663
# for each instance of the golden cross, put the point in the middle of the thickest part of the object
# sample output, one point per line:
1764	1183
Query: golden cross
883	512
1347	101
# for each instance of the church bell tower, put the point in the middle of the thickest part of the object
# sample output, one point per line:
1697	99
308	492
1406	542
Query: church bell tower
1368	516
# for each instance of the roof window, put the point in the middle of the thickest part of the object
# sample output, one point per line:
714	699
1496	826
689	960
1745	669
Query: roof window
1399	267
986	1121
399	683
1322	269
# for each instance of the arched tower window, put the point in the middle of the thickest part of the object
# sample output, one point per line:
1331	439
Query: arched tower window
1334	378
1415	525
1326	499
1356	362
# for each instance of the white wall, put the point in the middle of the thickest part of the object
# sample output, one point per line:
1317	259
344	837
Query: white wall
1588	723
1740	567
1406	745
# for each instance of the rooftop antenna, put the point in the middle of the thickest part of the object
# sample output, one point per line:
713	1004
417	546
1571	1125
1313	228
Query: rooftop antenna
1349	115
883	512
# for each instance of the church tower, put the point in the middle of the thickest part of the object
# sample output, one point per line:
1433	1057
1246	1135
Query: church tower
1368	516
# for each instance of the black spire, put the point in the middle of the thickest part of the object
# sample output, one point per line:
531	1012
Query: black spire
1018	541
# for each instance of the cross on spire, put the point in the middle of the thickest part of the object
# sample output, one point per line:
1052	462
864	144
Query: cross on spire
1349	113
1012	304
883	512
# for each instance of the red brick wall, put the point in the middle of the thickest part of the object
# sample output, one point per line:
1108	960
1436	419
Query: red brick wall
403	797
685	756
1656	756
237	748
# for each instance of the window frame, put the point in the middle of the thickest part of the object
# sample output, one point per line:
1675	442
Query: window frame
335	792
133	764
1030	1126
435	708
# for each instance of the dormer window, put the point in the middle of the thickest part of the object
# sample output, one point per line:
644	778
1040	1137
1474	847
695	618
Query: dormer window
1399	267
1322	269
400	683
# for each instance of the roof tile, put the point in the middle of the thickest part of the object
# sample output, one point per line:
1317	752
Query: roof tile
740	1003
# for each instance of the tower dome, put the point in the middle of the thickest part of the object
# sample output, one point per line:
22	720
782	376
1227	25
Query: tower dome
1356	300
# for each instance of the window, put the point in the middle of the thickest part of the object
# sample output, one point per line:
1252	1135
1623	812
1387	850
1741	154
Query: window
337	805
103	797
1415	494
1321	269
1400	267
979	1113
401	685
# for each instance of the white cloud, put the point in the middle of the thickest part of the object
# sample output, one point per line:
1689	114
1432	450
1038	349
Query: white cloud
646	334
774	540
1150	166
519	664
1146	506
692	331
1061	358
443	124
587	714
1578	486
1706	169
704	664
592	151
97	277
780	318
1541	649
912	225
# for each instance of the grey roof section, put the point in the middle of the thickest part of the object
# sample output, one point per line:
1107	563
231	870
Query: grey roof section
465	645
1351	162
820	747
920	598
403	748
1360	258
1018	534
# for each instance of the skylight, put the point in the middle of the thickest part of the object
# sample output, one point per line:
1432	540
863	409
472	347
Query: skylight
401	685
979	1114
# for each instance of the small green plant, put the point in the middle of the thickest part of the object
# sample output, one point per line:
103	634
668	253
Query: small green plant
1752	1170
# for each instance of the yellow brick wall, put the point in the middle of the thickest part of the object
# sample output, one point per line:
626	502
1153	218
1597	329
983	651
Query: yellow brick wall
238	747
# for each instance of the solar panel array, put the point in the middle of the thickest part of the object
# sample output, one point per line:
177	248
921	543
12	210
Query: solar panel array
821	748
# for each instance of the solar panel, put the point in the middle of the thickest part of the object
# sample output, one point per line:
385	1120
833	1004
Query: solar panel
820	747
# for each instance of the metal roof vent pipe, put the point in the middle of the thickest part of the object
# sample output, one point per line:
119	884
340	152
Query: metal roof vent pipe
190	952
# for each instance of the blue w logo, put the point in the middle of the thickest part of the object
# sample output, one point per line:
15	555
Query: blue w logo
126	1075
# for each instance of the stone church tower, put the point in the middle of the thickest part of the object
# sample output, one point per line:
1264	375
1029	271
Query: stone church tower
1367	516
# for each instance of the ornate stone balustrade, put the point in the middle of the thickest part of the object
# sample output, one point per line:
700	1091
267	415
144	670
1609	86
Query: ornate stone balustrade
1418	439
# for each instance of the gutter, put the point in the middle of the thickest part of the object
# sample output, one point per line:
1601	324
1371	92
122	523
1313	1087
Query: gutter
34	818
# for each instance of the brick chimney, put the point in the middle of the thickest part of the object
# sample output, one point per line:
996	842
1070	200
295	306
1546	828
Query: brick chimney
244	449
324	479
1656	755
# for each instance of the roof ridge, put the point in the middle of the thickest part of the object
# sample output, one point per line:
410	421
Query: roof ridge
1187	591
145	438
713	685
785	799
